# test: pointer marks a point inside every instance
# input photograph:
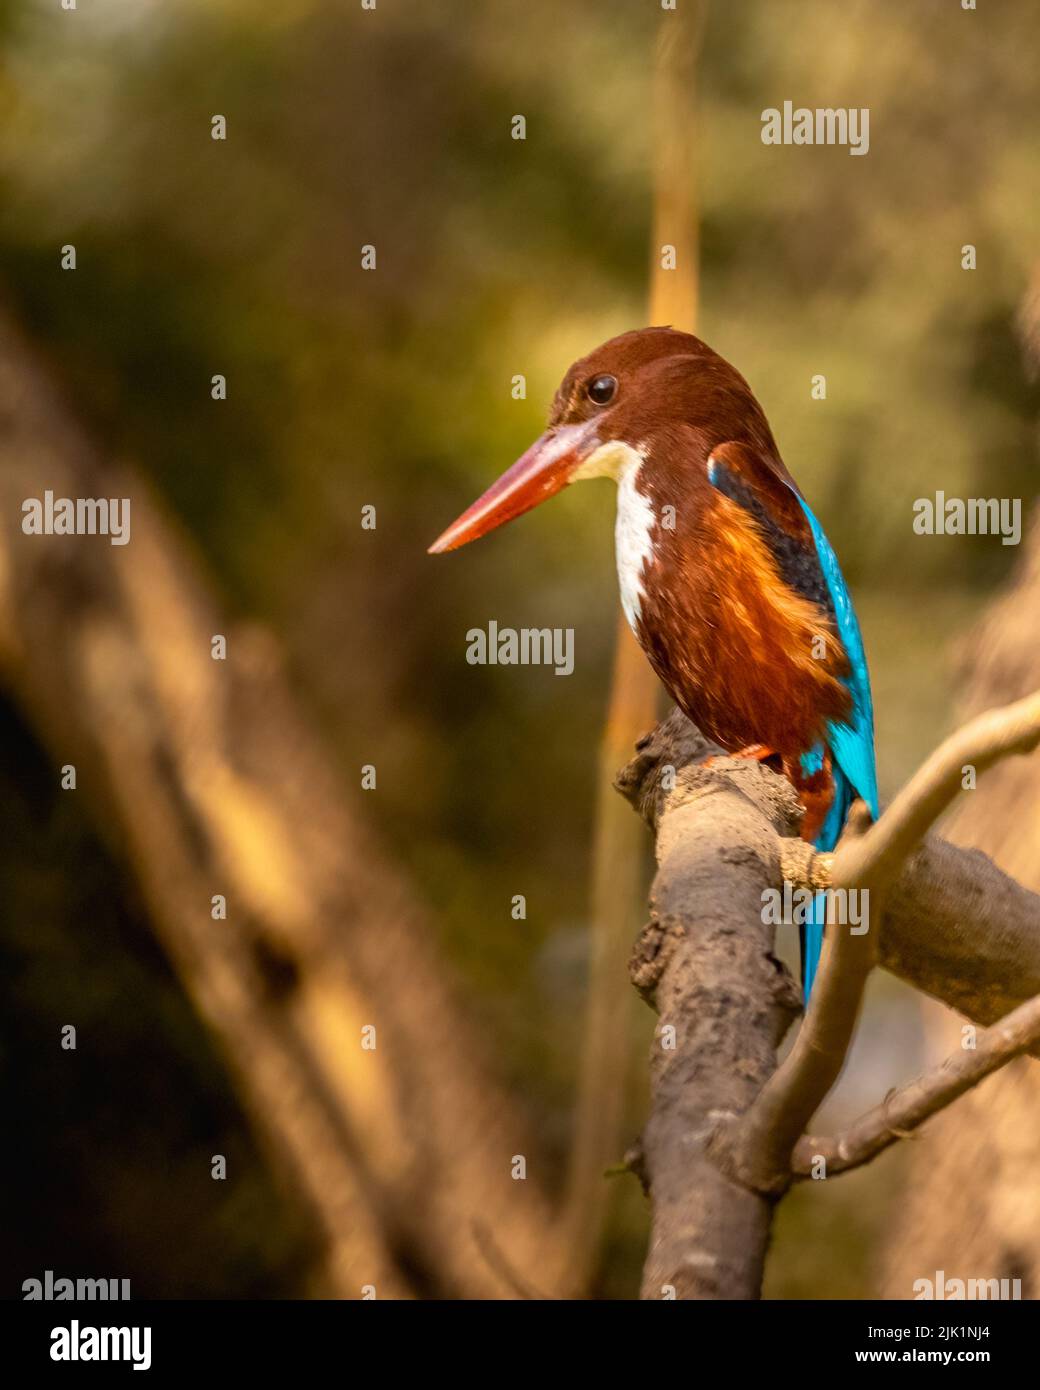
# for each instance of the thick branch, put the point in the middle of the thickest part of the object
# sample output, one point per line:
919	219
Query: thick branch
705	963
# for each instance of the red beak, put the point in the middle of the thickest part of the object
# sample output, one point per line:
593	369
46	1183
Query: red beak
543	470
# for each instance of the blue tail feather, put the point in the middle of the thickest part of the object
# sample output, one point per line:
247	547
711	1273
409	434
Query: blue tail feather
851	744
812	942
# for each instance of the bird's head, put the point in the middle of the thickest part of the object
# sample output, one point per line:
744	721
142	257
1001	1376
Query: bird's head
608	411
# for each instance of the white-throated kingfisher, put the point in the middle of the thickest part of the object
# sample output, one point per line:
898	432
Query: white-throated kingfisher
727	579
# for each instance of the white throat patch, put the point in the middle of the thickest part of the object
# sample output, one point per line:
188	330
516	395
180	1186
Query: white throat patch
635	518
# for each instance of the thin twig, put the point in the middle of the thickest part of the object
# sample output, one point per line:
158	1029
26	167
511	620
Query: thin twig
903	1110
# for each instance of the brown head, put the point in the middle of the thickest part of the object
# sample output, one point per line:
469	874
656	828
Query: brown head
648	392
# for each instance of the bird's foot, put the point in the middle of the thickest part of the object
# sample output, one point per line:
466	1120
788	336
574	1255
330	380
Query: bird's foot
756	751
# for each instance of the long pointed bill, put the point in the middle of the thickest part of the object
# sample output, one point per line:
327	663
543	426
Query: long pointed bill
542	471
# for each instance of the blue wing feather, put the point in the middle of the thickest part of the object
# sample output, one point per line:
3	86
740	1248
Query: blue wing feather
851	744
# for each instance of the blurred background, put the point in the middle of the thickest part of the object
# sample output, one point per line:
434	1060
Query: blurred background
392	388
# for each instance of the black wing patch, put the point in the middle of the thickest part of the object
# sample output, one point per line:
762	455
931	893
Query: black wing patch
799	565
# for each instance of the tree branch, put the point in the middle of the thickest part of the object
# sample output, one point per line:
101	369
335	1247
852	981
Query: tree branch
907	1108
705	962
758	1146
985	740
955	926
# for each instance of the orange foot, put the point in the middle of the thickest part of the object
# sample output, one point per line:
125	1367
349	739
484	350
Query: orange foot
758	751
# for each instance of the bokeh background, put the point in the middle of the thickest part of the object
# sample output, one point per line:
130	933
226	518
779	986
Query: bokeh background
393	388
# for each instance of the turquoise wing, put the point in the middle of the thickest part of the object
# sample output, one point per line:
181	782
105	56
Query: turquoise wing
852	743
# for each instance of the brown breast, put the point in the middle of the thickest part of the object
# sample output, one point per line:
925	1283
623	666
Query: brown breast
747	658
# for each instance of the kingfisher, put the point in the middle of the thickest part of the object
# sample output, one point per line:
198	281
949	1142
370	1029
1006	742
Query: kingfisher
726	576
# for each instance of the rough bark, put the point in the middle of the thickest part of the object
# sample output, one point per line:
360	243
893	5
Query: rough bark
955	926
705	963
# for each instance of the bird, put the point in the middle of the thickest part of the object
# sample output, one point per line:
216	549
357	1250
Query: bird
726	577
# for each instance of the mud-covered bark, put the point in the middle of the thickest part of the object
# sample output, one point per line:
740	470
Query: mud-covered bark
705	963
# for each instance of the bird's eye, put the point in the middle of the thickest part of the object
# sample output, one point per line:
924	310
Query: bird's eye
601	389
